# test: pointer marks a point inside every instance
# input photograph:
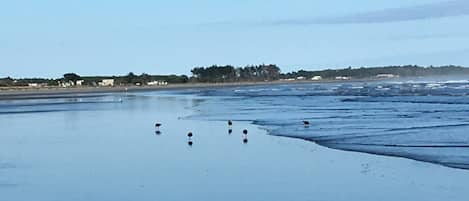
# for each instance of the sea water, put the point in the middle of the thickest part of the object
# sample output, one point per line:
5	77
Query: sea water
105	146
425	120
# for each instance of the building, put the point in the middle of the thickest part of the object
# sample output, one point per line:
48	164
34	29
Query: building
343	78
106	83
80	82
66	84
316	78
387	76
157	83
300	78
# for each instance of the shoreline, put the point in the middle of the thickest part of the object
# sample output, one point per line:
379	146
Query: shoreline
13	93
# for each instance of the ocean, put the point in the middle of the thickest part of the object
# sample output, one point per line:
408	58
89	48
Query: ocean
380	140
425	120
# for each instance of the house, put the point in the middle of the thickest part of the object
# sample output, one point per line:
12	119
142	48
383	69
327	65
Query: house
316	78
106	82
80	82
386	76
66	84
157	83
300	78
37	85
342	78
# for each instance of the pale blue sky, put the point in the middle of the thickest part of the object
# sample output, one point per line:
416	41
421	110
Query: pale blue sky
48	38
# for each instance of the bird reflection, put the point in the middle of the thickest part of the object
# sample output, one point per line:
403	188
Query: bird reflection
190	143
230	131
158	132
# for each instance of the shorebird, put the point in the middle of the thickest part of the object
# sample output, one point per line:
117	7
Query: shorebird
306	123
230	123
157	125
189	134
245	131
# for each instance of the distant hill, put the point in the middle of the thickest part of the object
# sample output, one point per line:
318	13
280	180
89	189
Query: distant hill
373	72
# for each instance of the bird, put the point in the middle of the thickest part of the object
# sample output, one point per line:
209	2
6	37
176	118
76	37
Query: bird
230	123
157	125
306	123
189	134
245	131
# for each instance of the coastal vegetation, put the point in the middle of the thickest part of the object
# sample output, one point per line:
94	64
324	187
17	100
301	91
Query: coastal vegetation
372	72
228	73
235	74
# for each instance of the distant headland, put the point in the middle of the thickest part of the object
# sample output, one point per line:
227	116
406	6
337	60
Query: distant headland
232	74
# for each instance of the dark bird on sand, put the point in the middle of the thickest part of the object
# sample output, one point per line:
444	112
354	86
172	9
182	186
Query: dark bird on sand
245	131
230	123
189	134
306	123
157	125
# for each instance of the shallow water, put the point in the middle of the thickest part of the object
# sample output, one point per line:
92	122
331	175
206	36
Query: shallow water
102	148
421	120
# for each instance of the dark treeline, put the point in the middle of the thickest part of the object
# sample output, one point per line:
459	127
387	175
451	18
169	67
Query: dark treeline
132	79
370	72
129	79
236	74
8	81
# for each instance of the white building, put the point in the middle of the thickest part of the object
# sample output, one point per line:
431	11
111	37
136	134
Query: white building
157	83
316	78
80	82
66	84
386	76
106	82
300	78
342	78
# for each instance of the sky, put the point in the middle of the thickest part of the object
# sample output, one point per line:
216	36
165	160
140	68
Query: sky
47	38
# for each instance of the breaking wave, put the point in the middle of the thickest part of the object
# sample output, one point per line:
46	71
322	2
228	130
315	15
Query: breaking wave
420	120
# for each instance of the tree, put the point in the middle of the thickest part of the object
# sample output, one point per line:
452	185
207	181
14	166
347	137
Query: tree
130	78
71	77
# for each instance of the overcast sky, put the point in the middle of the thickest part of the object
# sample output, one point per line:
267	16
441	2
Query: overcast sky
49	38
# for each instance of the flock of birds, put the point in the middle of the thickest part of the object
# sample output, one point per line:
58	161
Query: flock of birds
230	130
